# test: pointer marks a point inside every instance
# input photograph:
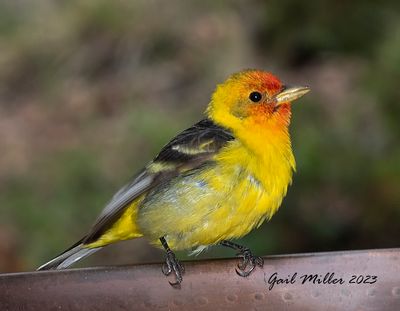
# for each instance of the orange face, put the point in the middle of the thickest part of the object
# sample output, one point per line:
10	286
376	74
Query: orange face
255	96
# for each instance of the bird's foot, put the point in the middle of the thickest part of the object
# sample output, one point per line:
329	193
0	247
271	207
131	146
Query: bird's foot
248	263
172	264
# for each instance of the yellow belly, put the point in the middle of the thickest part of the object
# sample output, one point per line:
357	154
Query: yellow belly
220	201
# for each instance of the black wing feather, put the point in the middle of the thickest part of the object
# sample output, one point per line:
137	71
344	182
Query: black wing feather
205	130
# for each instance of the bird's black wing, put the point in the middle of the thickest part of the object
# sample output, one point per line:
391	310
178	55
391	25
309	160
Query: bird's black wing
188	150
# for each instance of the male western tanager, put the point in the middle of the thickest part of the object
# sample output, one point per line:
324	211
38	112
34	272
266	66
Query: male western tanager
214	182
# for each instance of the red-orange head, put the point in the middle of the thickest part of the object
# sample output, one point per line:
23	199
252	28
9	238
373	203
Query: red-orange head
253	97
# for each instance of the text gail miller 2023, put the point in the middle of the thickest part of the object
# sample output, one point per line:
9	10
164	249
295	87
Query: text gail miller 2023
327	278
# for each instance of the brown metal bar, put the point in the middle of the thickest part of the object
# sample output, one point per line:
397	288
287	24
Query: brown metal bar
214	285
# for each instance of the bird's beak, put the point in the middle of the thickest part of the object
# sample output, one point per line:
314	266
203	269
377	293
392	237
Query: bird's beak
291	93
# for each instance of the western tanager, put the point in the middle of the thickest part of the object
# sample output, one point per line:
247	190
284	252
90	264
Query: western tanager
212	183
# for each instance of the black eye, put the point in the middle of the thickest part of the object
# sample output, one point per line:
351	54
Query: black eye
255	96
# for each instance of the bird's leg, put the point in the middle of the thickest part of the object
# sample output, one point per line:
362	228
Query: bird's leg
249	261
172	264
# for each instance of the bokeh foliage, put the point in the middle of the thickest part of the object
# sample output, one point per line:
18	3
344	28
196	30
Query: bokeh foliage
90	90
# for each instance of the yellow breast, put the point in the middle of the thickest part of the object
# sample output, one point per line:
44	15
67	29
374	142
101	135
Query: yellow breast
258	183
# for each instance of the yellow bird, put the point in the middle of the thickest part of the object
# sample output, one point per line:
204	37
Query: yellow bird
212	183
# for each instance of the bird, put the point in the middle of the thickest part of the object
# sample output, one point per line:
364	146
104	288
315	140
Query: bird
211	184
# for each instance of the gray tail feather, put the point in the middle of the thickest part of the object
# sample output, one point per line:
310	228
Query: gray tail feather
69	257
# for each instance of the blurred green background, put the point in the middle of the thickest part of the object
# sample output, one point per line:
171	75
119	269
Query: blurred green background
91	90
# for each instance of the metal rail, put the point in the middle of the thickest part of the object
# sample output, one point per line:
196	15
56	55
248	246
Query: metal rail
320	281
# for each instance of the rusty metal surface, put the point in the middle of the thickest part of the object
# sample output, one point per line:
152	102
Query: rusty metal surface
214	285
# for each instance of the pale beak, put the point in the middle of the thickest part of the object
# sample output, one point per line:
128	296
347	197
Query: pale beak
291	93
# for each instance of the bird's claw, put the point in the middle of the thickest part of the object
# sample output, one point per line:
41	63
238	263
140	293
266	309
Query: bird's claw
248	263
173	264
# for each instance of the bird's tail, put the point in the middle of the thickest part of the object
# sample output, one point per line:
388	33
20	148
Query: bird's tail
73	254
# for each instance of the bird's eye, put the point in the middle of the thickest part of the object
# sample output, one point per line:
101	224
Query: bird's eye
255	96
